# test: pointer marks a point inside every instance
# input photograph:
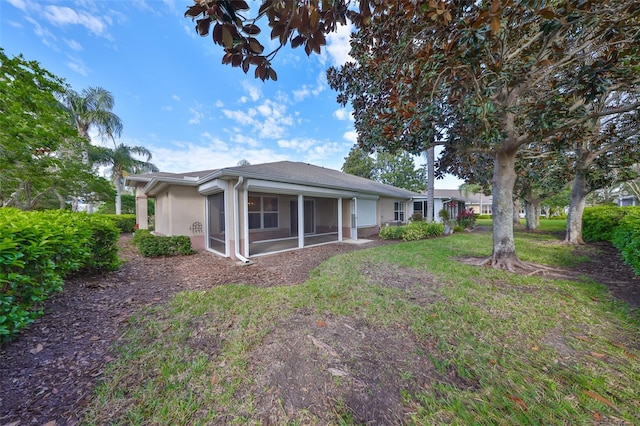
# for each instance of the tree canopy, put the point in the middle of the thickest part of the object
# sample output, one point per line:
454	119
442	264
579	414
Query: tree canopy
40	150
396	169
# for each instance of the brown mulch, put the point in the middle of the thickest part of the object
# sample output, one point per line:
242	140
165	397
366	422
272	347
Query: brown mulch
48	373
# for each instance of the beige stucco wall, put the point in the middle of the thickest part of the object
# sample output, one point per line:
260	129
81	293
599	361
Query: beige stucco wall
186	207
163	213
346	218
385	207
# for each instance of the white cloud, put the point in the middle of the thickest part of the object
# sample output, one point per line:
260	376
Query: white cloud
239	138
298	145
306	91
62	15
175	98
188	156
219	104
254	92
78	66
337	49
73	45
20	4
351	136
44	34
197	116
167	108
241	117
342	114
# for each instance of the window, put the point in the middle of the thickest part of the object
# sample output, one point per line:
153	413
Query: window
398	211
417	207
263	212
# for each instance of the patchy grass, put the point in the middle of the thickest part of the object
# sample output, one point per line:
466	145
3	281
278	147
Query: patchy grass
402	333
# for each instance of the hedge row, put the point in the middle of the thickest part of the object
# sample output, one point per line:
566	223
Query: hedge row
124	222
412	232
617	225
151	245
599	223
39	249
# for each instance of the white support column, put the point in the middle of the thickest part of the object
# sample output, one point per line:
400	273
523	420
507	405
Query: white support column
339	219
245	225
300	221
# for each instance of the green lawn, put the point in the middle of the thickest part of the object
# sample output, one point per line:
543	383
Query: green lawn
451	343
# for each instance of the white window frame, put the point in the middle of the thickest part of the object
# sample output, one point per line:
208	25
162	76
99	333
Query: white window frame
398	211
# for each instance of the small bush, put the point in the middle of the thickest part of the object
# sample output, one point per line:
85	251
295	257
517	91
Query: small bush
444	214
156	245
484	216
626	238
417	217
392	232
466	219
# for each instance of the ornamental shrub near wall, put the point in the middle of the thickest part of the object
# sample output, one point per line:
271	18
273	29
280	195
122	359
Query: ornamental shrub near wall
626	238
151	245
37	250
412	232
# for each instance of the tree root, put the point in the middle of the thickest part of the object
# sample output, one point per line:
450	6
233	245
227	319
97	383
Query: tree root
518	266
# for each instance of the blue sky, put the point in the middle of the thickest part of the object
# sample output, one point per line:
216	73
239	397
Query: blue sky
172	92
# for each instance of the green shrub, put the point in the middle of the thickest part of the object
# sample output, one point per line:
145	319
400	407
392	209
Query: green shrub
156	245
392	232
626	238
412	232
484	216
124	222
416	217
599	223
39	249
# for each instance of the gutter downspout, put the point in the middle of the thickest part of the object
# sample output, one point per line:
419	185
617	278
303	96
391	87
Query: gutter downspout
236	205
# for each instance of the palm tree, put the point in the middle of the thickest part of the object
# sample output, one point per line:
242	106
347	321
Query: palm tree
92	108
121	161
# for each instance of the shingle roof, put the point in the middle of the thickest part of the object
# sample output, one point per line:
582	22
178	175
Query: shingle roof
290	172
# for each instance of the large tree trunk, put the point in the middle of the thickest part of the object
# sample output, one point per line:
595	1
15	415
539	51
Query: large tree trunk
532	214
504	177
516	212
430	182
579	194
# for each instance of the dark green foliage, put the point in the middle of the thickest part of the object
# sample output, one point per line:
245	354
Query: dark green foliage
155	245
626	238
599	223
417	230
124	222
38	250
128	205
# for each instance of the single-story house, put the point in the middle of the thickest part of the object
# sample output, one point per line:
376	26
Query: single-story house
245	211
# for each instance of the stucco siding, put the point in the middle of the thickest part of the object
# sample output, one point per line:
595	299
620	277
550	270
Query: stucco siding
186	208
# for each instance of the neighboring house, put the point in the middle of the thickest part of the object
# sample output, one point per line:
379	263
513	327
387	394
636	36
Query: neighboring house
244	211
627	200
451	200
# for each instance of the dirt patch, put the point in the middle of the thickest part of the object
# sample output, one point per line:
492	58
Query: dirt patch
337	367
48	373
